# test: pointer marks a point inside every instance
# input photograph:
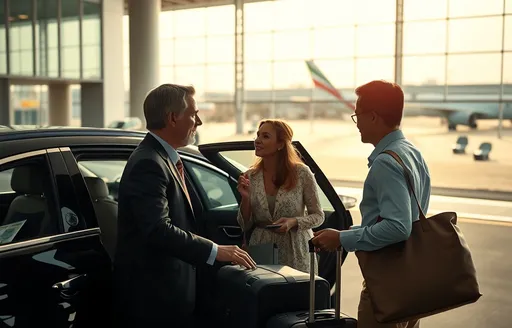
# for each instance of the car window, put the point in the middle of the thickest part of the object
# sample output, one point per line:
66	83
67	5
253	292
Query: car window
108	170
27	200
243	159
214	186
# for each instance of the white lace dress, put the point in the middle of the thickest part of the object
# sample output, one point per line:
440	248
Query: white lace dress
292	246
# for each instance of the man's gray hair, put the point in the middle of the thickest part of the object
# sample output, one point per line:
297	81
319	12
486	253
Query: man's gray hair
163	100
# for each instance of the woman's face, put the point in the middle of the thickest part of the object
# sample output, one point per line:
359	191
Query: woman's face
266	143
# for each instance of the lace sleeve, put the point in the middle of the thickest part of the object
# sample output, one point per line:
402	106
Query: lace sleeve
315	213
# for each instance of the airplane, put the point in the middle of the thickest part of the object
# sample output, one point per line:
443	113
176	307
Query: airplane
454	113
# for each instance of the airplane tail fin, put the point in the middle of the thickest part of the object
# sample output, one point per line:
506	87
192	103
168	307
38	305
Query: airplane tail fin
323	83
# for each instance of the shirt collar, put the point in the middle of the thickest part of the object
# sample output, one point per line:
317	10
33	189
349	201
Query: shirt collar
383	143
171	152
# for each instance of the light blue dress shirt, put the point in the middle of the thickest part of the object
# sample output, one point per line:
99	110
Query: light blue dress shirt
386	194
173	155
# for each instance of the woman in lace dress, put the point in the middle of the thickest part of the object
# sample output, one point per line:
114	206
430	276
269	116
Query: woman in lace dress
277	190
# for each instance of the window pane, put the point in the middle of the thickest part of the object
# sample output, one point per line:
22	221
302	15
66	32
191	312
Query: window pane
376	40
292	45
220	49
259	16
291	75
91	40
508	6
334	42
475	8
166	52
20	37
474	69
29	214
166	25
258	47
3	42
220	20
46	38
376	11
221	79
332	13
258	77
475	34
368	69
291	14
423	70
216	188
508	33
192	75
339	72
190	22
190	51
421	9
70	40
166	74
424	38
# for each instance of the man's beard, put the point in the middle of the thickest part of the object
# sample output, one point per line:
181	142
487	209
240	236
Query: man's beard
191	139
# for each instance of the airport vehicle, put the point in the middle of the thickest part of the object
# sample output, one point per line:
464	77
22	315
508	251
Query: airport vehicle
454	113
58	217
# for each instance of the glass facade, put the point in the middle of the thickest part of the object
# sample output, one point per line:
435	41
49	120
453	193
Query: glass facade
449	47
53	40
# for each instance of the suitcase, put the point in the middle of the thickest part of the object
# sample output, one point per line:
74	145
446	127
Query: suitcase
248	298
319	318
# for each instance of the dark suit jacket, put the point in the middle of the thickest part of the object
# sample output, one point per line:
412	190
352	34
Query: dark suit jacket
157	250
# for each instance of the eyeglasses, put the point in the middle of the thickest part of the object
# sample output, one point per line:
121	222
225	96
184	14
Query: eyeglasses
354	116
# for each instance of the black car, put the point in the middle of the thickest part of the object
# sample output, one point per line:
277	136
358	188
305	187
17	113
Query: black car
58	216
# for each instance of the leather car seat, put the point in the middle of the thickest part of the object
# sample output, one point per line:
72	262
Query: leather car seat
31	205
106	212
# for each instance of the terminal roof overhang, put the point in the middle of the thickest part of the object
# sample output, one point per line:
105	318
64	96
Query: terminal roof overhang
185	4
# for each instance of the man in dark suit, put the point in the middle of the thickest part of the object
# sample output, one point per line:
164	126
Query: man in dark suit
157	248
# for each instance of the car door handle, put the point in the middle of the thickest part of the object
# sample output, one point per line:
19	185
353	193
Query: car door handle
226	229
71	284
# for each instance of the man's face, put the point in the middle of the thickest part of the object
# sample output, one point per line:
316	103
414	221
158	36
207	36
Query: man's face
187	122
364	118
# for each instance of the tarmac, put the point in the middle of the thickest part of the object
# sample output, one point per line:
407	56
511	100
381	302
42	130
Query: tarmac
336	147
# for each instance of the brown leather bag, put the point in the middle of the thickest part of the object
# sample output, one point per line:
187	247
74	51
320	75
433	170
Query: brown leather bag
431	272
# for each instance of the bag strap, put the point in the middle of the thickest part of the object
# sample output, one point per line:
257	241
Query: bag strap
409	179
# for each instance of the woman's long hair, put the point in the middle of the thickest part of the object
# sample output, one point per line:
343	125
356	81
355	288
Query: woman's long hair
287	158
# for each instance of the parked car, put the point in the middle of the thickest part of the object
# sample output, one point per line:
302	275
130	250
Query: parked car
58	217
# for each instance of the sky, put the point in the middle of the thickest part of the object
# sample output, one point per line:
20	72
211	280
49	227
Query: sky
351	41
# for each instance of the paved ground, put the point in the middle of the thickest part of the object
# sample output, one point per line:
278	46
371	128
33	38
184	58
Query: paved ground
336	147
490	243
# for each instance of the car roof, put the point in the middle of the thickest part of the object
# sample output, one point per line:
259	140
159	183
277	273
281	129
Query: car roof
56	136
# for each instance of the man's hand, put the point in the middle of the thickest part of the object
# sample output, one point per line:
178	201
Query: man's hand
327	239
286	224
235	255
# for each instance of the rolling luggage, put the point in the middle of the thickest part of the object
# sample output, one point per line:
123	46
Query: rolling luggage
319	318
248	298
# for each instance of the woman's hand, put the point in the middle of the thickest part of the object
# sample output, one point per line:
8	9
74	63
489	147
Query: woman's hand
244	186
286	224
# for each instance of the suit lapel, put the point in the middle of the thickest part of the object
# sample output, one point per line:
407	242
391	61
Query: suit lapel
173	169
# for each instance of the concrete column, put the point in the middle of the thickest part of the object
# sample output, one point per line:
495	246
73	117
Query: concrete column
144	52
5	102
92	100
59	104
112	107
399	36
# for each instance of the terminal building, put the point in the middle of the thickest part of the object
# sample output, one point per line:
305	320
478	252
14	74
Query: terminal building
243	57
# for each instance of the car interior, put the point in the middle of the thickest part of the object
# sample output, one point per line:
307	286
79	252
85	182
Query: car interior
28	202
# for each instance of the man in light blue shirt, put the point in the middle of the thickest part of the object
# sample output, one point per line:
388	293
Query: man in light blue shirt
388	209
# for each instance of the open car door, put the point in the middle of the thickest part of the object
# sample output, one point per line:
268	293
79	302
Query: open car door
235	158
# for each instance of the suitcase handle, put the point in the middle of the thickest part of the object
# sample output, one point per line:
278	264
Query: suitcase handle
337	293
